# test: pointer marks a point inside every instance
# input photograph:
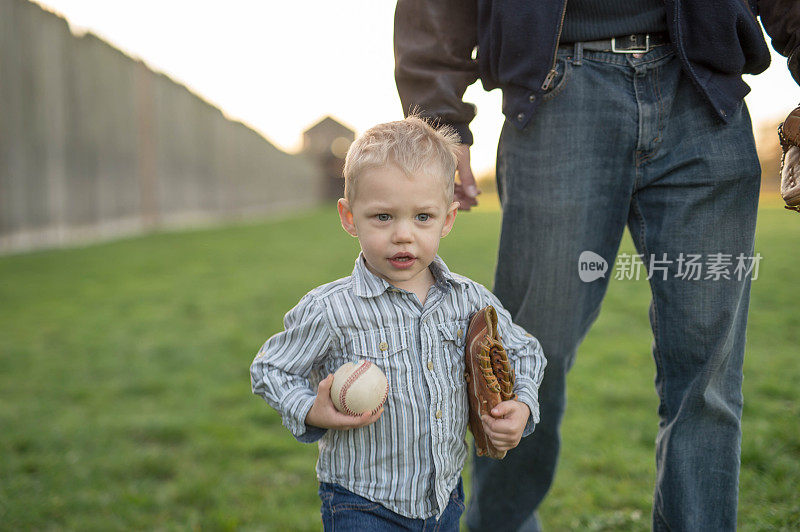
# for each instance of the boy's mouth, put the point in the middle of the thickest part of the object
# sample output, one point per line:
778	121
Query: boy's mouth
402	260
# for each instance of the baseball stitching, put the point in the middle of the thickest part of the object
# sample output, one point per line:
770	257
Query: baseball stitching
366	364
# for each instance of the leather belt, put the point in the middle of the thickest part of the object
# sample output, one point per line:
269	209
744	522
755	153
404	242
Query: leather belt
628	44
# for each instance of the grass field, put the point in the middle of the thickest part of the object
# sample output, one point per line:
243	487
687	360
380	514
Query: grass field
125	400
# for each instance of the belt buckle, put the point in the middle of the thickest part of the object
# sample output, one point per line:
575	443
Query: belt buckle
631	50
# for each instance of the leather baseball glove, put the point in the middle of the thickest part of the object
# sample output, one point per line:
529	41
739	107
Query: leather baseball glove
789	134
490	379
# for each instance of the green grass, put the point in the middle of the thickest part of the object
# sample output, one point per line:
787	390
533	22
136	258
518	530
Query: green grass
125	401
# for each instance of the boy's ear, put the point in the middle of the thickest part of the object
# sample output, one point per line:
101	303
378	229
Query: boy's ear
450	218
346	216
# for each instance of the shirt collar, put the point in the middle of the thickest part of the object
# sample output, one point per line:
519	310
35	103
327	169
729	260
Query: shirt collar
367	284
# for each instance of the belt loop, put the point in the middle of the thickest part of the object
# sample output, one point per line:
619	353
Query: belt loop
578	54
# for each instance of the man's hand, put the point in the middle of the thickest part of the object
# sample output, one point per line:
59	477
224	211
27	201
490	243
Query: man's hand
790	178
323	413
789	135
466	192
506	424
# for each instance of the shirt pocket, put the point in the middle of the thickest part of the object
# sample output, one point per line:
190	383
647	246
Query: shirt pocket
453	336
386	348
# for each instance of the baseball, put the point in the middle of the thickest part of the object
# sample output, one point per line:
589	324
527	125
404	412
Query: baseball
359	387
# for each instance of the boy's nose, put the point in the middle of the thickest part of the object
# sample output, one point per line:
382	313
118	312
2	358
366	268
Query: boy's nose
402	233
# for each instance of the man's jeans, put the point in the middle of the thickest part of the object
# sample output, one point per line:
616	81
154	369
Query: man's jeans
628	141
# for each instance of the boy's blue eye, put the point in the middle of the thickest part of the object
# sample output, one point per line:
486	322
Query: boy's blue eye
423	217
383	217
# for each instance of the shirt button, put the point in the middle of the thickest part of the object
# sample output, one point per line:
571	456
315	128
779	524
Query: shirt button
438	414
521	117
383	346
532	98
430	365
459	333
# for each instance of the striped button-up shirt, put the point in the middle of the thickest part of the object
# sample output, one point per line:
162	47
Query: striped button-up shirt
410	460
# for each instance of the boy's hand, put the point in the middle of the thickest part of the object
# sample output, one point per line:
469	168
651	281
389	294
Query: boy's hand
506	424
323	413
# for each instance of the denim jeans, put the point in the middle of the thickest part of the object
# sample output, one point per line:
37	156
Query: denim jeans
628	141
343	511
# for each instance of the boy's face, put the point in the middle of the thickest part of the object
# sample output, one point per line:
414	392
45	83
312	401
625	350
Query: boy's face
399	221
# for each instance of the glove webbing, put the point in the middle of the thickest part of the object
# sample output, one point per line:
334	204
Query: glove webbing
495	368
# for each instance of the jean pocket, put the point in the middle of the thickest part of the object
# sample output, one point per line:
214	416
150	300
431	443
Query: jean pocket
457	496
340	500
558	83
325	493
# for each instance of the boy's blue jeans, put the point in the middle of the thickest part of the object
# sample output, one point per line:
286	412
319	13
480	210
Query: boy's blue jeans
344	511
628	141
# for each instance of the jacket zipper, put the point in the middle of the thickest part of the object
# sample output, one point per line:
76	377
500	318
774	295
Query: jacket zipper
552	74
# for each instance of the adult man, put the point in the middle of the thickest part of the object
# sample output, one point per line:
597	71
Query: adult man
646	130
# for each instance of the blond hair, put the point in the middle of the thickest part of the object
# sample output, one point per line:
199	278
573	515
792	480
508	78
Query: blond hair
413	145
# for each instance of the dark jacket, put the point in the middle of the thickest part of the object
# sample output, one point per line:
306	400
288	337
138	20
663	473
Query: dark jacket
516	40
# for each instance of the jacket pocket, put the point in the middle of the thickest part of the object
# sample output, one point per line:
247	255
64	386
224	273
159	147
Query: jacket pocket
563	67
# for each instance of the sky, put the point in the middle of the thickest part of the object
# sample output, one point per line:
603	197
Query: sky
280	66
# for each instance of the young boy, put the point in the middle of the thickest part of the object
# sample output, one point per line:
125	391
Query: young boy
406	312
